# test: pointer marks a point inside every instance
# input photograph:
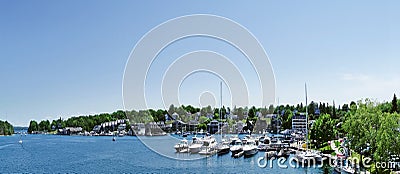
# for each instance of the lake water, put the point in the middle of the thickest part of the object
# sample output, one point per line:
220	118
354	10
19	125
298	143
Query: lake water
79	154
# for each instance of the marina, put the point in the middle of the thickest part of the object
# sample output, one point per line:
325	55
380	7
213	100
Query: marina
268	146
98	154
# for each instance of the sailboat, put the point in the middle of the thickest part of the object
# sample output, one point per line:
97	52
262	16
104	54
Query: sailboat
223	146
306	157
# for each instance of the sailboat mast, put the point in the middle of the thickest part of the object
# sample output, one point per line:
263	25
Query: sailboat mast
220	106
305	88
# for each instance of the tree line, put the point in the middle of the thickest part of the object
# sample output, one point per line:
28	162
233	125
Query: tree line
86	122
327	117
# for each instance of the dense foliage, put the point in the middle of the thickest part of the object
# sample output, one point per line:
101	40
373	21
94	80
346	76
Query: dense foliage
323	130
6	128
373	130
86	122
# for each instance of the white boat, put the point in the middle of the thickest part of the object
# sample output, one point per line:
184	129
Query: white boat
262	147
233	139
223	147
266	140
250	148
209	146
244	140
20	139
281	153
183	144
237	147
195	147
305	158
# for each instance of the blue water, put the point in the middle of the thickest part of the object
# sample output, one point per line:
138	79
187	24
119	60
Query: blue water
79	154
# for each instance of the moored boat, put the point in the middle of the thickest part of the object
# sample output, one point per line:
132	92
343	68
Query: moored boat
195	147
250	148
209	146
183	144
223	148
237	147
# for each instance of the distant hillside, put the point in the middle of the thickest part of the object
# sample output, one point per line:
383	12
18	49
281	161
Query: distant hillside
20	129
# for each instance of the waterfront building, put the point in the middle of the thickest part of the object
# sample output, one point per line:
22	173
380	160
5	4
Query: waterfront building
231	116
97	128
193	125
237	127
69	131
178	125
212	127
274	123
299	122
225	128
139	128
153	129
121	127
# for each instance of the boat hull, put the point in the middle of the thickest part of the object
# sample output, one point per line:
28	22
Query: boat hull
208	152
222	151
179	148
194	149
236	150
250	152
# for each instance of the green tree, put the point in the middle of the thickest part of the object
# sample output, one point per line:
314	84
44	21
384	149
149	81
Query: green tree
345	107
203	119
334	116
394	104
311	110
322	130
270	109
202	126
388	137
385	107
128	126
171	109
223	112
252	112
119	115
370	128
287	119
216	113
190	109
240	113
54	124
33	126
6	128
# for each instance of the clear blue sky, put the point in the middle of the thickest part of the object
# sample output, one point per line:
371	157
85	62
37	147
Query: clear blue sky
65	58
